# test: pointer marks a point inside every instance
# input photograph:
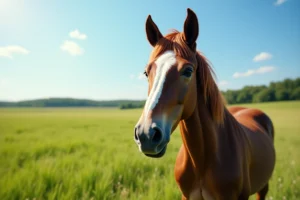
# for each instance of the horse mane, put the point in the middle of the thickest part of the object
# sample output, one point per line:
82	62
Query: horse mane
205	75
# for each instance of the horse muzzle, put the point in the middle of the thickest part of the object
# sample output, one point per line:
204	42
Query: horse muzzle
152	141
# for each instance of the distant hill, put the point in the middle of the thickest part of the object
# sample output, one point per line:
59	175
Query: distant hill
70	102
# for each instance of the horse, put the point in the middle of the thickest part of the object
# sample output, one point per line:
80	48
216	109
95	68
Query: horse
227	153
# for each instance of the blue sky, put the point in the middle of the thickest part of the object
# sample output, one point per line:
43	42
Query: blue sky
98	49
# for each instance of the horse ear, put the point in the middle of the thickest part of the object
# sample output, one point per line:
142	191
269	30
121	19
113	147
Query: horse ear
153	33
191	29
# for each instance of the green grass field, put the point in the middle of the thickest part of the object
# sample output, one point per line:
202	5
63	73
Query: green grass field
81	153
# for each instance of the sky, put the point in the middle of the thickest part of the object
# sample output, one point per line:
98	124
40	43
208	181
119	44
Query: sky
98	49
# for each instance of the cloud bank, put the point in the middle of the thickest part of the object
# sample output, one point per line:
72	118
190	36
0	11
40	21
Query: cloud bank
261	70
10	51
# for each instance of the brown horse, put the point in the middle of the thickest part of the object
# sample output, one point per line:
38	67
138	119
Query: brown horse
226	153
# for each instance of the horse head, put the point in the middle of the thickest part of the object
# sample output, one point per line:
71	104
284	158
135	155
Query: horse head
175	75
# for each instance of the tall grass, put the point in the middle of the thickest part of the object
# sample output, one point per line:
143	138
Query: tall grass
90	154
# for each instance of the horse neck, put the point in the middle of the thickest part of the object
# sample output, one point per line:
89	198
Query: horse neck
198	133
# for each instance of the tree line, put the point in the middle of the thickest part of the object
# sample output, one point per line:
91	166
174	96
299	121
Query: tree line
69	102
288	89
132	105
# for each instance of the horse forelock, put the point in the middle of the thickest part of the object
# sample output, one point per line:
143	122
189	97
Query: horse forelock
172	42
205	75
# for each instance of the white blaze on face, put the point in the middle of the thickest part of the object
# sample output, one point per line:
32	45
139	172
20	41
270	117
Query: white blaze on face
163	64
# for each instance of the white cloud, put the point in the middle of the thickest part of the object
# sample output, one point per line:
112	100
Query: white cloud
262	56
77	35
265	69
8	51
279	2
140	76
261	70
72	48
223	83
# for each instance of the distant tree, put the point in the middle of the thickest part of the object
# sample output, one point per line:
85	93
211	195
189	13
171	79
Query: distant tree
131	105
297	82
244	97
296	94
264	95
287	84
281	95
276	91
230	96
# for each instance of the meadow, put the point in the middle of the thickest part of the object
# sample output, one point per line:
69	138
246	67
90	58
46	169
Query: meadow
89	153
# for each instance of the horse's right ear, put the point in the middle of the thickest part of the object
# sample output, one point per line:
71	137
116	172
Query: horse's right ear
153	33
191	29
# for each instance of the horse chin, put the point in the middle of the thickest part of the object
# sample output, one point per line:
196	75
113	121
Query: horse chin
160	154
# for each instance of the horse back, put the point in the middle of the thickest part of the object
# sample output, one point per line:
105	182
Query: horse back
250	116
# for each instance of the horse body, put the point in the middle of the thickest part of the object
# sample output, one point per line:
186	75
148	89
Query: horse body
227	153
243	162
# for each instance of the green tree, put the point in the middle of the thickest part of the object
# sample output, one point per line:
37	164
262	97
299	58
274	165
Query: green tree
296	94
265	95
231	96
281	95
244	97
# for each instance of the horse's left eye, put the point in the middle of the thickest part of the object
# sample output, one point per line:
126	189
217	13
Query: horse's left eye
188	72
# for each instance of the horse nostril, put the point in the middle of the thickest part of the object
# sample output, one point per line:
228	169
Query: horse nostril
135	134
157	135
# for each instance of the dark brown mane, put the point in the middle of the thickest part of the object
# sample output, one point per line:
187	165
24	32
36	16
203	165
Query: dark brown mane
213	99
210	91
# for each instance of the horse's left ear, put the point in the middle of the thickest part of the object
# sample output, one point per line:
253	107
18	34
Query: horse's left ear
152	31
191	29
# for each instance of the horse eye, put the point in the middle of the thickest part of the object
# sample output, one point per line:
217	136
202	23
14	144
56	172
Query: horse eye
146	74
188	72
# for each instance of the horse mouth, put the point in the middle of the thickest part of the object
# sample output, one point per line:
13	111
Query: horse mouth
160	154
